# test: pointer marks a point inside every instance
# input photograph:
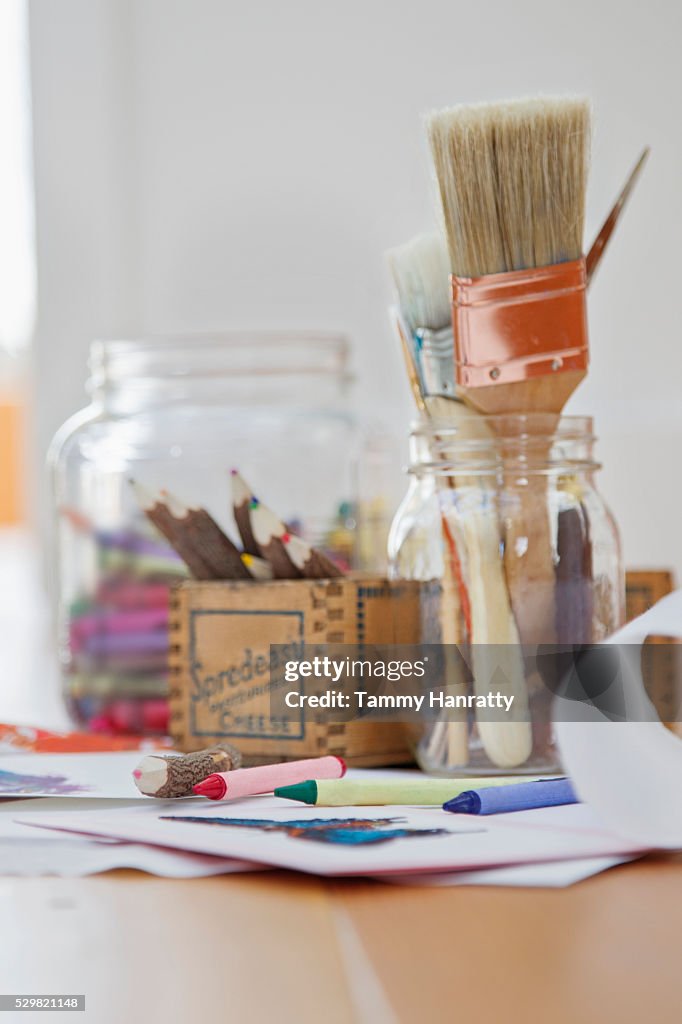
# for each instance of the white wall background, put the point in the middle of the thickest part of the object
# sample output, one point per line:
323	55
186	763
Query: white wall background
222	164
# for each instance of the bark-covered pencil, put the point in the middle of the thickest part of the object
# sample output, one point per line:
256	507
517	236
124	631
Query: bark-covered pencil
242	495
214	546
176	775
313	564
174	531
258	567
268	532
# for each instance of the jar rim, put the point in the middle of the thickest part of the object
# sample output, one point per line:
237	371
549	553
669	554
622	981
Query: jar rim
510	425
232	353
478	445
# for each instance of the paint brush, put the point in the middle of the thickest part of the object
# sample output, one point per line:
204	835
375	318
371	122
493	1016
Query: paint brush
512	179
242	495
420	272
177	536
214	546
595	254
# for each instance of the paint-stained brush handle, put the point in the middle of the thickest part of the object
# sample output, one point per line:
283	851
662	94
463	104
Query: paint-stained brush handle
595	254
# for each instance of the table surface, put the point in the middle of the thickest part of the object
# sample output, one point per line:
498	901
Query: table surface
290	948
284	947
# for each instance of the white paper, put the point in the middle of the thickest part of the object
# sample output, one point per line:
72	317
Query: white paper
32	852
71	775
557	875
630	772
557	833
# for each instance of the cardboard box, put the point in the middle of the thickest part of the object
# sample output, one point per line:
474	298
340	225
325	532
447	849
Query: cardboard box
220	662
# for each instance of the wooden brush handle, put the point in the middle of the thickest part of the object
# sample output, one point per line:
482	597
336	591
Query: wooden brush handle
454	605
529	560
496	655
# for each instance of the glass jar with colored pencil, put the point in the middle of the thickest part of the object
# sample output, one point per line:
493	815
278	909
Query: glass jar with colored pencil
505	512
177	414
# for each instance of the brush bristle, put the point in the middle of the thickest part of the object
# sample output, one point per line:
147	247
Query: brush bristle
512	179
421	271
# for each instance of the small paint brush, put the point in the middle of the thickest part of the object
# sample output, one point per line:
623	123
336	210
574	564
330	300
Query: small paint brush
595	254
420	272
214	546
241	496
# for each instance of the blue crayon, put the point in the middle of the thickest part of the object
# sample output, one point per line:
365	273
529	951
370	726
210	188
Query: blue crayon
521	797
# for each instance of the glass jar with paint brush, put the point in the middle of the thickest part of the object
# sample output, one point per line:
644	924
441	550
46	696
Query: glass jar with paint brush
177	414
506	513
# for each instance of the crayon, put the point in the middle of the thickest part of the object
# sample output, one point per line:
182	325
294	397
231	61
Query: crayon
267	777
417	791
525	796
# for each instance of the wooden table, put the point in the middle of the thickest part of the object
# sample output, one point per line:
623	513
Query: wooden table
288	948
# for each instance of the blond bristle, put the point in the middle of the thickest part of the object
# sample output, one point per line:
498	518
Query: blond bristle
421	270
512	179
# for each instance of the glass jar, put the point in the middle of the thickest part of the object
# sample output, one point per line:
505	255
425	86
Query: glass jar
178	413
505	513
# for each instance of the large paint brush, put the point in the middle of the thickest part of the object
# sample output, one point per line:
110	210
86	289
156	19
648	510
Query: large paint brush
512	180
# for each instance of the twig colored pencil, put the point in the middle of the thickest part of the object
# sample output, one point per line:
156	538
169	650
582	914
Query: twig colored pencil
174	531
214	546
258	567
312	564
269	532
175	776
242	496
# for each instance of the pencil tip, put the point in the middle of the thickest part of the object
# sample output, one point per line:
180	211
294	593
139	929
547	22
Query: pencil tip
234	472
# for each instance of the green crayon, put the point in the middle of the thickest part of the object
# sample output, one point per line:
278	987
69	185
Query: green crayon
419	791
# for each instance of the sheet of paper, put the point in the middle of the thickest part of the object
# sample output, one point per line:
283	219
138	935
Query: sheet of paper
557	875
629	772
32	852
72	775
350	841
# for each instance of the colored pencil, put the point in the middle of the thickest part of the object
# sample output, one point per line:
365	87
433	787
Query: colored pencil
242	496
176	775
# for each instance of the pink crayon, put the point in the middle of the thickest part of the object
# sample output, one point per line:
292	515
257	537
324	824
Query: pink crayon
268	777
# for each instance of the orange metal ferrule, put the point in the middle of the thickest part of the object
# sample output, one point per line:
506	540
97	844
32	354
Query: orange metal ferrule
520	324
